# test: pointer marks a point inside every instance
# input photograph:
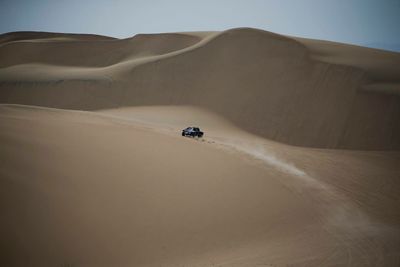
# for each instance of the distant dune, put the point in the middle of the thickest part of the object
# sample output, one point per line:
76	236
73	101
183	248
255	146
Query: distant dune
300	163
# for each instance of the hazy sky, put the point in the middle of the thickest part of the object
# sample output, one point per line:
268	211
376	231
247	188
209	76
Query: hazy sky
373	22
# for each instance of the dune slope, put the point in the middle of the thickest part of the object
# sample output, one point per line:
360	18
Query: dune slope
93	189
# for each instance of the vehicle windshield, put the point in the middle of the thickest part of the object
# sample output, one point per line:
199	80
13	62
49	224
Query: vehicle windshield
196	129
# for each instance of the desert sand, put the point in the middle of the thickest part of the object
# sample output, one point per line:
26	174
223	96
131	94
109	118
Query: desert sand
299	166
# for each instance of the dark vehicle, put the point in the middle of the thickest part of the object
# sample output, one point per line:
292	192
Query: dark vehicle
192	131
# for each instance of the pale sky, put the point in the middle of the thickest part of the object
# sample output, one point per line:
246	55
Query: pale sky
363	22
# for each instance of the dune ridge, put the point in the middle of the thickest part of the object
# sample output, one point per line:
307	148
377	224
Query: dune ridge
34	35
86	52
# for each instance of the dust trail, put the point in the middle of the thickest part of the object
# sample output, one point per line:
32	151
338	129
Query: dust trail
258	152
339	211
271	159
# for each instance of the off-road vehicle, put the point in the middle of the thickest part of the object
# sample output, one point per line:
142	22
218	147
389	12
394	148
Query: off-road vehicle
192	132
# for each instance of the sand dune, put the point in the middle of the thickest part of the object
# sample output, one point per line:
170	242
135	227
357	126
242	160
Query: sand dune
94	172
31	36
90	53
299	92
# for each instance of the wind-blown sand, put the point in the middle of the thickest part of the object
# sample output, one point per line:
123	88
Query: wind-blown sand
112	183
